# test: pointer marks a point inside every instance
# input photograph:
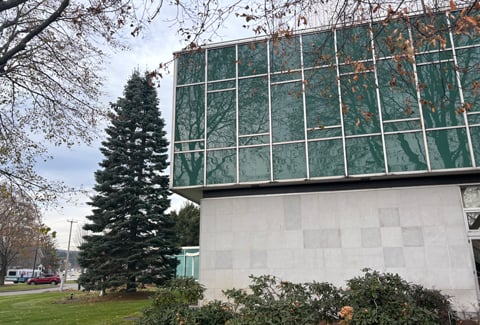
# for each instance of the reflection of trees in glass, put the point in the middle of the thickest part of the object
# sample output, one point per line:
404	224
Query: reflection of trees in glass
252	58
287	112
253	112
221	125
284	53
190	67
221	166
359	104
405	152
188	169
318	49
321	95
353	44
254	164
221	63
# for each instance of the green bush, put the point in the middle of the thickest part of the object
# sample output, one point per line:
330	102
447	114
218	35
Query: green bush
373	298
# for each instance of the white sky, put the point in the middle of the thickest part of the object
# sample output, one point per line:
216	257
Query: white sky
76	166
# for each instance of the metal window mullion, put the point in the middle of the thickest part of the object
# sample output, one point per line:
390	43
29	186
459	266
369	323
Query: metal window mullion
379	102
420	109
462	98
237	150
270	111
174	110
205	122
304	102
339	88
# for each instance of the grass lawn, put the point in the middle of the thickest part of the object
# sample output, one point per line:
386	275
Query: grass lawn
25	287
84	308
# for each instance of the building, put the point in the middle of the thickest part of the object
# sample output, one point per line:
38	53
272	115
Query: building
318	154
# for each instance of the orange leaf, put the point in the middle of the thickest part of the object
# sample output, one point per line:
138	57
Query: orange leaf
452	5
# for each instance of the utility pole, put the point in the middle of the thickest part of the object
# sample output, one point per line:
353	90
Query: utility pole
64	279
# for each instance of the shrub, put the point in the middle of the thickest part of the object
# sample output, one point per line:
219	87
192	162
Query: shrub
373	298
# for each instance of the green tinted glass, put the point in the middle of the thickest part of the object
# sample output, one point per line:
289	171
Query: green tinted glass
475	135
390	38
324	133
402	126
253	116
221	125
448	149
255	139
474	119
221	85
189	146
430	32
254	164
318	49
353	44
188	169
439	95
287	112
289	161
398	93
465	33
252	58
190	113
365	155
321	95
360	112
221	166
190	67
469	69
326	158
405	152
284	54
221	63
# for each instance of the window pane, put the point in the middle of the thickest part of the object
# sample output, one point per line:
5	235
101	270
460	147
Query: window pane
284	54
190	113
188	169
402	126
318	49
468	33
321	95
471	197
365	155
289	161
353	44
439	95
190	67
221	63
253	106
469	68
390	38
475	136
473	219
189	146
405	152
255	139
324	133
448	149
430	32
398	93
252	58
254	164
326	158
221	85
221	166
287	112
221	126
360	113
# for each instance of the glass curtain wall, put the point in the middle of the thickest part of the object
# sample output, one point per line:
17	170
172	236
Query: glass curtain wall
368	100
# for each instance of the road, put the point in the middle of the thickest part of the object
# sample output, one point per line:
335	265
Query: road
67	286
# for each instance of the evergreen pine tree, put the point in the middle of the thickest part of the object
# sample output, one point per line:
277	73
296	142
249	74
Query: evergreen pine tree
132	240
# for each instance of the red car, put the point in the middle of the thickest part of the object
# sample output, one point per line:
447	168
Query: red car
46	279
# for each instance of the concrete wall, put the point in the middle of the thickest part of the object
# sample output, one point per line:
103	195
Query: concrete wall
418	233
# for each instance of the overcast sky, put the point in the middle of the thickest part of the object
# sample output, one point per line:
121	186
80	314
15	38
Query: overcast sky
76	166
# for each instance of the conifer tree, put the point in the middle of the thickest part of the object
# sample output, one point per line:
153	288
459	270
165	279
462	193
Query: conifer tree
131	239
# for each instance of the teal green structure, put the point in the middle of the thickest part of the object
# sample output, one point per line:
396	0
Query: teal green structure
327	105
188	262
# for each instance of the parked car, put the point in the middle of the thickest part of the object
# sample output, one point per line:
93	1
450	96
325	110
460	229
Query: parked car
46	279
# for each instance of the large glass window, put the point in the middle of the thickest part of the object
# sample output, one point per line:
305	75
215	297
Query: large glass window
191	67
254	164
188	169
365	155
287	112
318	49
190	113
289	161
405	152
253	116
252	58
221	125
221	63
448	149
284	54
221	166
326	158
